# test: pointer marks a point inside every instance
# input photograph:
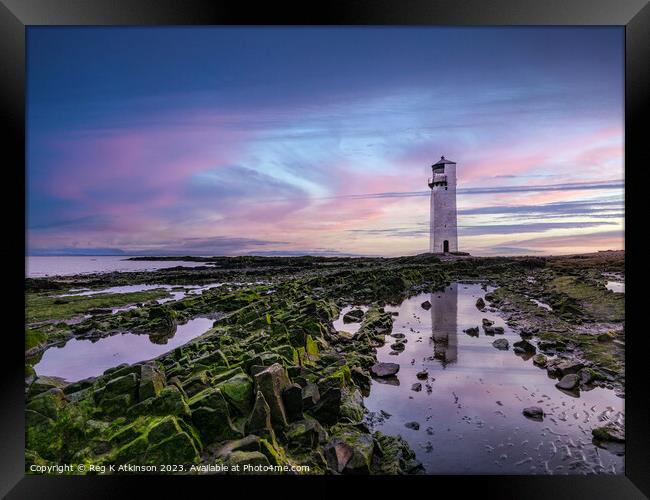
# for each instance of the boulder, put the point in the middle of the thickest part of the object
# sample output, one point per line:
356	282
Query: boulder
610	432
178	449
384	369
426	305
48	403
534	413
242	459
480	304
238	391
472	331
259	421
152	381
126	384
310	395
271	382
352	408
417	387
523	346
422	375
350	453
398	346
353	316
412	425
248	443
561	367
169	401
292	399
586	376
568	382
305	435
211	416
487	322
328	408
501	344
539	360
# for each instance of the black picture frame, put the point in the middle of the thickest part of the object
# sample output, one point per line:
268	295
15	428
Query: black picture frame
634	15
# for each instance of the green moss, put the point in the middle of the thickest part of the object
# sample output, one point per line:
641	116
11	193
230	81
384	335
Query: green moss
592	298
34	338
41	306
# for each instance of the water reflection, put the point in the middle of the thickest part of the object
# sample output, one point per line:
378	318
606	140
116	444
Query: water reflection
82	358
470	416
444	324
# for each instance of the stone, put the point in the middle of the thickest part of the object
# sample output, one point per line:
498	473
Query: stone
422	375
384	369
310	395
534	413
487	322
238	391
271	382
398	346
292	399
524	346
417	387
501	344
546	346
152	381
568	382
211	416
328	407
248	443
305	435
350	453
472	331
48	403
126	384
610	432
586	376
352	408
561	367
426	305
259	421
353	316
539	360
169	401
480	304
178	449
412	425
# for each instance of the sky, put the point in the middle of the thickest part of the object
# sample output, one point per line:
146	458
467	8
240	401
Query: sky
294	141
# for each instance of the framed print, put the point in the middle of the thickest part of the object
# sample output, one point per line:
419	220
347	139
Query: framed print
275	248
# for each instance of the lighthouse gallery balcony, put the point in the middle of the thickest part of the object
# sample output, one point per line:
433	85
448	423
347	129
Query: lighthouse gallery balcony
438	180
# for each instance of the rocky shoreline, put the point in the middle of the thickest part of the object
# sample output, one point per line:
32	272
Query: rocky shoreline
273	383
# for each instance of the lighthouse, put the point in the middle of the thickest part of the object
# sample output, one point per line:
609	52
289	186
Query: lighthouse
443	229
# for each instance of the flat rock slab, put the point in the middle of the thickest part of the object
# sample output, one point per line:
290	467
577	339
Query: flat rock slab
384	369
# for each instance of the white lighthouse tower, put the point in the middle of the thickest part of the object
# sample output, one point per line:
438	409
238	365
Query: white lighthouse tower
443	230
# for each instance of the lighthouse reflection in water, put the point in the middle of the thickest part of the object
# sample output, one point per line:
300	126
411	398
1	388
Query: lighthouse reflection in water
444	324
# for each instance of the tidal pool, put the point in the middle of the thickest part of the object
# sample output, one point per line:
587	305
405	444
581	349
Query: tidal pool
469	409
82	358
616	282
352	327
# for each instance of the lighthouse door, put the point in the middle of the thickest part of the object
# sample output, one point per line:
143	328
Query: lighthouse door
445	246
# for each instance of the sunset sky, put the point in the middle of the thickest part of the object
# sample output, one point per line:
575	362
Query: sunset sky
282	141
